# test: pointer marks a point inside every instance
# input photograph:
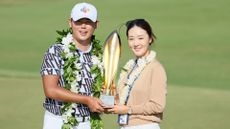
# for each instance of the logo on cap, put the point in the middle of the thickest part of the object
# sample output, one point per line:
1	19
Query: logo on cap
85	9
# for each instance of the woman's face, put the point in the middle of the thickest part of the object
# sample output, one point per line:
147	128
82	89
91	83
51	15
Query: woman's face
139	41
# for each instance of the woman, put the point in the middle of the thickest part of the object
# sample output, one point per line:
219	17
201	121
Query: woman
142	84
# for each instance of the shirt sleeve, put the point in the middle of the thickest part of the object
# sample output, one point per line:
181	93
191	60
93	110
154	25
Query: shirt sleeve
51	62
157	94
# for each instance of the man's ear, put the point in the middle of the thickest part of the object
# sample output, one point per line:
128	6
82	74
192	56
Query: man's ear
69	21
97	24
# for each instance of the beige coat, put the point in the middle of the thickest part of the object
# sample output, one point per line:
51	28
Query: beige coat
148	95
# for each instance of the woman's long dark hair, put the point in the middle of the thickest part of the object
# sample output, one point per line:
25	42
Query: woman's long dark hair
142	23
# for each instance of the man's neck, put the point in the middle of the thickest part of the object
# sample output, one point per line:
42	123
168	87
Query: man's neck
83	45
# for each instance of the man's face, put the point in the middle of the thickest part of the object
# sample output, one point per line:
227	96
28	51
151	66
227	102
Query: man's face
83	29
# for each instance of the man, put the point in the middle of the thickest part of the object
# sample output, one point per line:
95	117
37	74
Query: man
67	76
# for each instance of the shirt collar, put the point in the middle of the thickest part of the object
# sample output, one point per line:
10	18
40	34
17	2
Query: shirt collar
87	51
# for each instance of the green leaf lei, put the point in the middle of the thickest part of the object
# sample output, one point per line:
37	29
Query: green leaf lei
72	78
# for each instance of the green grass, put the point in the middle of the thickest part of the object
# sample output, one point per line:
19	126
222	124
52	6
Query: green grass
187	107
200	108
192	44
192	36
21	102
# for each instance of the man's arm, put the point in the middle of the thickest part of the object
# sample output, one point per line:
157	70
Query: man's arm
54	91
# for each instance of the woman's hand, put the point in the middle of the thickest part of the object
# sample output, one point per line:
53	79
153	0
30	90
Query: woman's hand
119	109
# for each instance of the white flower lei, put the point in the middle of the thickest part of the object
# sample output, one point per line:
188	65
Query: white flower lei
141	63
72	79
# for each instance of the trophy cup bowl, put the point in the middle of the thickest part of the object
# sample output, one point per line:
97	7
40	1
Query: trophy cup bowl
111	55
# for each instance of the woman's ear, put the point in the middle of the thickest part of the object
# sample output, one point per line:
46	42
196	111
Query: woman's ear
150	41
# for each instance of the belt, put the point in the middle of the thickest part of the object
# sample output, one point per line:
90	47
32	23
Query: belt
83	118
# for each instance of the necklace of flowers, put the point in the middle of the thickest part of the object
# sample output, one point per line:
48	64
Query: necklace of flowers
72	77
130	66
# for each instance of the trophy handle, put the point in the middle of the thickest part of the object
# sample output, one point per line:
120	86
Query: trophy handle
113	90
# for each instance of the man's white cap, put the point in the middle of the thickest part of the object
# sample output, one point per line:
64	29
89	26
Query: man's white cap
84	10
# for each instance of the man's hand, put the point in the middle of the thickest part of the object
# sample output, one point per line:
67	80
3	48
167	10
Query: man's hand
95	104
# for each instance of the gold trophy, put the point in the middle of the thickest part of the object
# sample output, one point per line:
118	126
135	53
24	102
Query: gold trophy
111	55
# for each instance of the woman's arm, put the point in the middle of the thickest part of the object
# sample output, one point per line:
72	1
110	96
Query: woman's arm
157	94
157	98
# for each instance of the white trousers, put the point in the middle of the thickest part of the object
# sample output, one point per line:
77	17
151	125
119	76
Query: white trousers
52	121
144	126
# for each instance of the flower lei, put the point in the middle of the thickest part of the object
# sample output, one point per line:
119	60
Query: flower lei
141	63
72	77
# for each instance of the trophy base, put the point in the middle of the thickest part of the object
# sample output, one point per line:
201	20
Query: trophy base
107	100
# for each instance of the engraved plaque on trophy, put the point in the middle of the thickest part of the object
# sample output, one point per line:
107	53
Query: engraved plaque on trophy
111	55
